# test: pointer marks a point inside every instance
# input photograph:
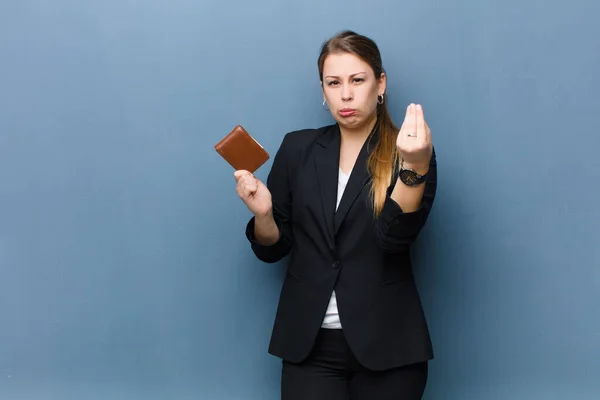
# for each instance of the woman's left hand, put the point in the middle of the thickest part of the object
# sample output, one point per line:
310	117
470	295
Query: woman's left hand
414	140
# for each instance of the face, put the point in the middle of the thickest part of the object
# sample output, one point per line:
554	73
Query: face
350	89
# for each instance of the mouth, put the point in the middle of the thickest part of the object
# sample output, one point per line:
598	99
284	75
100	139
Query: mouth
347	112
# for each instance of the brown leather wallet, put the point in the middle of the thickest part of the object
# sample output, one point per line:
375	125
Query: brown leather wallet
241	150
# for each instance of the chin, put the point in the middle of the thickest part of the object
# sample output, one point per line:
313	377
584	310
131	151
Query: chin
351	122
347	123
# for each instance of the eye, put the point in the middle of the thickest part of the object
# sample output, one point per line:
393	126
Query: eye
332	83
358	80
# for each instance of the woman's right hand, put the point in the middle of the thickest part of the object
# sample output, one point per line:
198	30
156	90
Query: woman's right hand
253	193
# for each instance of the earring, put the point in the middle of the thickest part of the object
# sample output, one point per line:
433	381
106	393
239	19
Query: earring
326	108
379	96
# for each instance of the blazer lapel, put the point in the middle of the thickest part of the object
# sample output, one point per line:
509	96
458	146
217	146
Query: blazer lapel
359	177
327	161
327	156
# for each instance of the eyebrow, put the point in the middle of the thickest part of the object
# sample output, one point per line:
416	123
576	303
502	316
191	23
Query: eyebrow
337	77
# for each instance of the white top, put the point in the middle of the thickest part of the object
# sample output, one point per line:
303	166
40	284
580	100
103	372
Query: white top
332	319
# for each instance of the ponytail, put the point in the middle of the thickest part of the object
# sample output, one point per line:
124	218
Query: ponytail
383	158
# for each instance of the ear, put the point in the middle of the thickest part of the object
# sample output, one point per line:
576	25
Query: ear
382	83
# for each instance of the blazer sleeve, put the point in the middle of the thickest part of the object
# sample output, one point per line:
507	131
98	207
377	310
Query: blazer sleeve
278	183
396	230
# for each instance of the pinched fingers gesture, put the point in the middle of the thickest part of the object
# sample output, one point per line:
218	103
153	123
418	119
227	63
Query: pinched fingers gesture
414	139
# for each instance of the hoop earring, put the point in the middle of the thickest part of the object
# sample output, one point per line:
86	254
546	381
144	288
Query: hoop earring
326	109
378	97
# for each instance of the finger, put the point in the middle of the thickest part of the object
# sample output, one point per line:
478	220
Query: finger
240	173
405	128
252	186
412	131
247	184
407	116
247	192
244	188
240	189
240	181
420	118
250	183
242	185
409	119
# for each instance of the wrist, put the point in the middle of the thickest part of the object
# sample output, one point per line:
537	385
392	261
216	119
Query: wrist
419	168
264	216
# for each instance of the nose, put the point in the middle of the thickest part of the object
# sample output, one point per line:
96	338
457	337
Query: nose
347	93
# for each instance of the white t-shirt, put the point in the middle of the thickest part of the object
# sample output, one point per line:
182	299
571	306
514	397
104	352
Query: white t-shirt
332	319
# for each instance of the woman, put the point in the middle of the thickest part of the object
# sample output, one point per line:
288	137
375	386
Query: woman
345	202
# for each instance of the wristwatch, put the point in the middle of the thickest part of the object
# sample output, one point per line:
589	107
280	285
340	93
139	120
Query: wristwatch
410	177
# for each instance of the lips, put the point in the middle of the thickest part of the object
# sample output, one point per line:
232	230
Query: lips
347	112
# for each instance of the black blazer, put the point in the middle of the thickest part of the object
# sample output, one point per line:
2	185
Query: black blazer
366	259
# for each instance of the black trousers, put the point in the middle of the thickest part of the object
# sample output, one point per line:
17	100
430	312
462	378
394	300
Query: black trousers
331	372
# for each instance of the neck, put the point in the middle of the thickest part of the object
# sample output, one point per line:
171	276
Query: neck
357	135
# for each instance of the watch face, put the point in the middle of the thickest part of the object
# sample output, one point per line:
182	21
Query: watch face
410	178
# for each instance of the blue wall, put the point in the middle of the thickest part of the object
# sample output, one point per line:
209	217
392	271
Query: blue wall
124	271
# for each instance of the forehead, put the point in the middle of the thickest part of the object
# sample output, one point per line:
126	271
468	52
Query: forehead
344	64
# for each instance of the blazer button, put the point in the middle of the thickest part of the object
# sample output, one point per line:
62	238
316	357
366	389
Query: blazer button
336	265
